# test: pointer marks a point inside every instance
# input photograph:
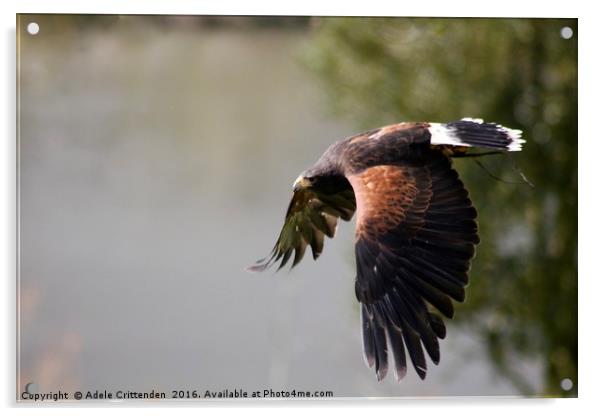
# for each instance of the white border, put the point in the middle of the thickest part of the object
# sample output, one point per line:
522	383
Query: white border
458	8
589	177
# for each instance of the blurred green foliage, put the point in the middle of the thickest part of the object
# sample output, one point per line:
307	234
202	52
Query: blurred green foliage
522	73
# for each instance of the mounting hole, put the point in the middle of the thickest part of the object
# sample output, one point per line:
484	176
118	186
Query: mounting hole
566	33
566	384
31	388
33	28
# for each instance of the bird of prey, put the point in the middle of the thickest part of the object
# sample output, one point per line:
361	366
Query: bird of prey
415	233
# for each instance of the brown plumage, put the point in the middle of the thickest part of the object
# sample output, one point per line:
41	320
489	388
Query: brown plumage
384	195
416	229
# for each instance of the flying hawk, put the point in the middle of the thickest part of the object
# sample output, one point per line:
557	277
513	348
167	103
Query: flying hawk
415	234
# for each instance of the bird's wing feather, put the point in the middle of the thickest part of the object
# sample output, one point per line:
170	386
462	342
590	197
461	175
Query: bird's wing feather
308	219
415	236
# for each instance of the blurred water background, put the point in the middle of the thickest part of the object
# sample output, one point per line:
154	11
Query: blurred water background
156	159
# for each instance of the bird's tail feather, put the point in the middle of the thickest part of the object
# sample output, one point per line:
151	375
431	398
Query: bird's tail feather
476	133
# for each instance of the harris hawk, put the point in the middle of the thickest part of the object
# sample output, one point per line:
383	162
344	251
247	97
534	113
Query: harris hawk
415	234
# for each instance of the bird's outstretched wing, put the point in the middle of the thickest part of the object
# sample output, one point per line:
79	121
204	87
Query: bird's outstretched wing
308	219
415	236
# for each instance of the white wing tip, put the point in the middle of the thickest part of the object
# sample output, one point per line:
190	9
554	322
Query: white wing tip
515	136
474	120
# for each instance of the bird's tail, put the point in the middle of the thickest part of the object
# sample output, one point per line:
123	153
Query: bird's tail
470	132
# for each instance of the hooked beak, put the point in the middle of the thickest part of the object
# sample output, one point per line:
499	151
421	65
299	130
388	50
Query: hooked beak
301	183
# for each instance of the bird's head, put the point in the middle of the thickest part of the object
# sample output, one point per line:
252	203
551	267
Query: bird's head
304	181
321	180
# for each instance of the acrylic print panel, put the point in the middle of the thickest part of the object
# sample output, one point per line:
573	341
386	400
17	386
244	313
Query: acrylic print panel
156	159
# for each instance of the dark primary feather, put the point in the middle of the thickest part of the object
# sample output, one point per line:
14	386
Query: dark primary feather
411	257
309	218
